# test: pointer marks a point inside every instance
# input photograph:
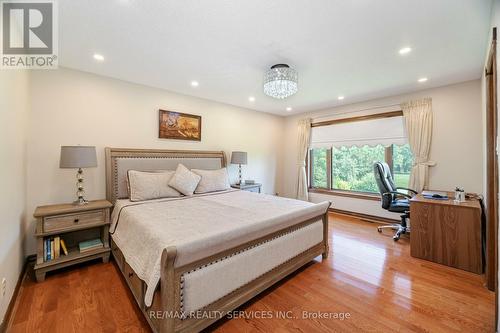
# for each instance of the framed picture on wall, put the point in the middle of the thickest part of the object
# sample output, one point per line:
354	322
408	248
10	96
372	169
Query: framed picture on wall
179	126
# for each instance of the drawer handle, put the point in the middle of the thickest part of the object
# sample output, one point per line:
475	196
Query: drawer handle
76	220
130	274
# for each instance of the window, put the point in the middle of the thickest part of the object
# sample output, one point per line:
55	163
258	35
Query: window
402	161
342	155
351	168
319	167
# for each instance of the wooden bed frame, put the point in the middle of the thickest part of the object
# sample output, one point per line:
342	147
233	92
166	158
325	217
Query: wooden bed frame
170	287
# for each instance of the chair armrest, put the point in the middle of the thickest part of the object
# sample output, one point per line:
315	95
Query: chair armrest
401	194
407	189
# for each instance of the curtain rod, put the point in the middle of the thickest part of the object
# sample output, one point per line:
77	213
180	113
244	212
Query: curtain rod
356	111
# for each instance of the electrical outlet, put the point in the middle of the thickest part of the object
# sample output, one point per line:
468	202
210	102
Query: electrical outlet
4	286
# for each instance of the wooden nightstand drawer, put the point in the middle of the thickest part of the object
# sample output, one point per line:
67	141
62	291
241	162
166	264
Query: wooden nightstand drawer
64	222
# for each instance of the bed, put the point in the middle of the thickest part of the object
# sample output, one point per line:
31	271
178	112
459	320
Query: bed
190	260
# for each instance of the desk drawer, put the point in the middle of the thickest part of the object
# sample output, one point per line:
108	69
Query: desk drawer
65	222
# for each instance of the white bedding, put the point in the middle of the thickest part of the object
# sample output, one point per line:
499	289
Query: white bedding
199	226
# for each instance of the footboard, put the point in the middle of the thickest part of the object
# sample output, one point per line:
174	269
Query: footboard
175	319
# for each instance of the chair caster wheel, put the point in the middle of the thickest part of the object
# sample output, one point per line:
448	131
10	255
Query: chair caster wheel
379	230
395	238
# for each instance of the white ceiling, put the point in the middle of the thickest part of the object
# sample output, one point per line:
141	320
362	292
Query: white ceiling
338	47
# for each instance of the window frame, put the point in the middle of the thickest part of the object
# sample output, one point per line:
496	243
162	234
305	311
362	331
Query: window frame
388	157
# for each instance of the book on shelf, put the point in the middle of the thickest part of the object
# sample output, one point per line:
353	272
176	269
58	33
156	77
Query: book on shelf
57	247
63	247
52	248
48	250
52	256
90	245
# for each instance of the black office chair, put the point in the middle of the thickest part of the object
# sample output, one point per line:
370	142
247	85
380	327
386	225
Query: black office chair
392	200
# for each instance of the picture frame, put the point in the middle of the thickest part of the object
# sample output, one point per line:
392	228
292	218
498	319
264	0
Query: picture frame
179	126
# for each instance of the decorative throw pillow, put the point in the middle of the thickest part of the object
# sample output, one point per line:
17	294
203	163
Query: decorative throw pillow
212	180
150	185
184	180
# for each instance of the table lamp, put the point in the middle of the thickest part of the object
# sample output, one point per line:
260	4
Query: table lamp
239	157
78	157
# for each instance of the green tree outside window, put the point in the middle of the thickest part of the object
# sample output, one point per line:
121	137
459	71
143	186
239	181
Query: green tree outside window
352	167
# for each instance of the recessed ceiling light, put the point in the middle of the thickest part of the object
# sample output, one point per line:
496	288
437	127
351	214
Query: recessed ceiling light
289	108
98	57
195	83
422	80
405	50
251	99
340	98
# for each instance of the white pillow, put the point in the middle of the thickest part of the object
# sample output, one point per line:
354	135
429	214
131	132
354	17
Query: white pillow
212	180
150	185
184	180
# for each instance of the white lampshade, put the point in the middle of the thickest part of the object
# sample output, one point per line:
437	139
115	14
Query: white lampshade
239	157
74	157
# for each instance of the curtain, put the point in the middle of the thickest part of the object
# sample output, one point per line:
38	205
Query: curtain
418	123
304	135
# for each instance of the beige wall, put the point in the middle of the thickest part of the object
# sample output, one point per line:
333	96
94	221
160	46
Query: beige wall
456	142
13	121
71	107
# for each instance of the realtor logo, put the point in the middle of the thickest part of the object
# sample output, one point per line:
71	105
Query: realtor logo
29	34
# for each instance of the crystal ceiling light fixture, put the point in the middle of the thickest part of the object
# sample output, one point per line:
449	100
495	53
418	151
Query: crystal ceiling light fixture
280	81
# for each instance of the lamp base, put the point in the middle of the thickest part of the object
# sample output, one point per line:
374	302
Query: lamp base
80	192
80	201
240	182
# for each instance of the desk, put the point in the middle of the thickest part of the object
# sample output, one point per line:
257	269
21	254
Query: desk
447	233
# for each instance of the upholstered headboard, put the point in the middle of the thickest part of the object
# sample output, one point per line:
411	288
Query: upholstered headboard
120	160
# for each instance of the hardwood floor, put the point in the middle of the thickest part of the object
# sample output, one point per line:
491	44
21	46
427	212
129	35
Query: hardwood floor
368	276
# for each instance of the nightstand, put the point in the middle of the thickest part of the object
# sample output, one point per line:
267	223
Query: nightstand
73	224
248	187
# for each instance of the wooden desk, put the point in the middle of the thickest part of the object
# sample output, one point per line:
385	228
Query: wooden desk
447	233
